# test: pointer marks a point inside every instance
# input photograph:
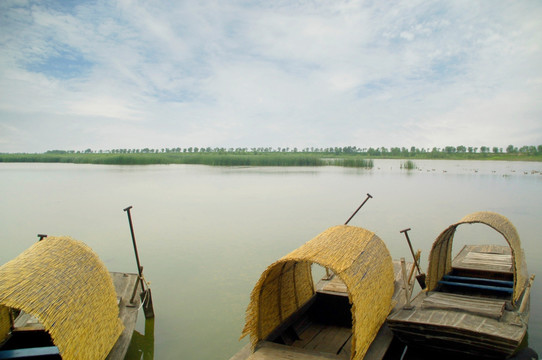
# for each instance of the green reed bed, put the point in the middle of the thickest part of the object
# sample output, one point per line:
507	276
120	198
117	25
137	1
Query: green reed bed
213	159
408	165
358	163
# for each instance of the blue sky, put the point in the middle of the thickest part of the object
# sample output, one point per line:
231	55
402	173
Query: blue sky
135	74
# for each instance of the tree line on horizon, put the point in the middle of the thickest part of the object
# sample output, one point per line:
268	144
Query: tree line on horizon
379	151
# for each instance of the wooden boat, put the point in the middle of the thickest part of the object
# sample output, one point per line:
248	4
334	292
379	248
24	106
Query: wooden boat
343	317
477	304
68	305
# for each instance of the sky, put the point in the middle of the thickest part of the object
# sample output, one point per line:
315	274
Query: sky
118	74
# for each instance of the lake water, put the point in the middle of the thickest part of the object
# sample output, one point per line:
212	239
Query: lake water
205	234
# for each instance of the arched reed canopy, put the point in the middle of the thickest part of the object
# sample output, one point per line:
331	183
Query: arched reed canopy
357	256
63	283
440	258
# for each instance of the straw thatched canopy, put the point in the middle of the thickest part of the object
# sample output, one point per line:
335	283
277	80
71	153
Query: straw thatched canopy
357	256
63	283
440	258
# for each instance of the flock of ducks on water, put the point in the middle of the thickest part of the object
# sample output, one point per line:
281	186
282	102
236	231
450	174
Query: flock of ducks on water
532	172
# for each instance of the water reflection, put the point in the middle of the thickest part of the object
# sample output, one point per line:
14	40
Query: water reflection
224	225
142	345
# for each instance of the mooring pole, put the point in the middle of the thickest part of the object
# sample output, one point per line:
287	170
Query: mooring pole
355	212
135	248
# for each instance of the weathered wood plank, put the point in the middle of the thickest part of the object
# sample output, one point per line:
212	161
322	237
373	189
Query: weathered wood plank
330	339
271	351
335	285
346	351
27	322
124	286
490	258
458	321
308	335
380	344
332	286
493	308
243	354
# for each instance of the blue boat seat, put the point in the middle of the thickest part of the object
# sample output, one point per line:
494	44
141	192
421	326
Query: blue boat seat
29	352
478	283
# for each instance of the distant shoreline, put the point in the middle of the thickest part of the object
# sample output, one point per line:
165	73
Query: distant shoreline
359	160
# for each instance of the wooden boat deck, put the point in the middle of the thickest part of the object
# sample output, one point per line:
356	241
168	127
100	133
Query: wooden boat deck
269	350
325	338
319	341
484	258
473	319
28	328
124	286
464	314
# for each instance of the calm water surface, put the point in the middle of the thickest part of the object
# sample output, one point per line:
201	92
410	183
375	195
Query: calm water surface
205	234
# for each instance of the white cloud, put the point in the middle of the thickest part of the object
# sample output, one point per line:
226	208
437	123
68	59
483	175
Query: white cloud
203	73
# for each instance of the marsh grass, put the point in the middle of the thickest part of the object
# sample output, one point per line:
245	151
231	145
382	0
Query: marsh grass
213	159
356	162
408	165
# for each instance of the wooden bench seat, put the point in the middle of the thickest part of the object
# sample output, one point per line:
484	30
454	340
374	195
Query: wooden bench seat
492	308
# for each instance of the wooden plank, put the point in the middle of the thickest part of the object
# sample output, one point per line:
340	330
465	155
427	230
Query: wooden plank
346	351
446	340
496	260
490	258
487	307
308	335
335	285
27	322
243	354
508	327
124	286
330	339
291	320
380	344
271	351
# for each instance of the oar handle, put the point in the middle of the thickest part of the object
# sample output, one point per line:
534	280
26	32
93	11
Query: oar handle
355	212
